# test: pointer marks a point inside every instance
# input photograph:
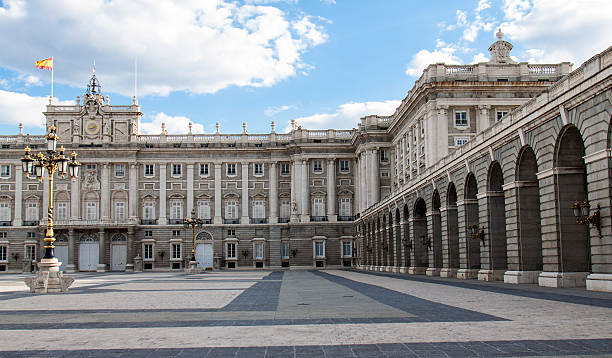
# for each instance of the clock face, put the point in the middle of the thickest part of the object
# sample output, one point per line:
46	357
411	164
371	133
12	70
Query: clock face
92	127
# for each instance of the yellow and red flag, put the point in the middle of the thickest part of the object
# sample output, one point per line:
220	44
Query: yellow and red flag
46	64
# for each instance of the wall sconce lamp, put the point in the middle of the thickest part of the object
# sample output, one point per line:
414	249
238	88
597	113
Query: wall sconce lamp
245	253
477	233
15	256
425	241
385	247
581	212
294	253
408	243
161	254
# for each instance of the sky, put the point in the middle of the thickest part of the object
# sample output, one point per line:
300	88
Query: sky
323	63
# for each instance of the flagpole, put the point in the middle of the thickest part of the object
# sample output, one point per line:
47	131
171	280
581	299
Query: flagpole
52	66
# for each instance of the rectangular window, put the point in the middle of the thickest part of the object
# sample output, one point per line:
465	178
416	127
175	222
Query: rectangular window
319	249
347	248
176	251
259	209
61	213
204	210
285	169
5	212
91	210
345	207
176	210
148	233
231	250
148	170
317	166
286	250
3	253
461	118
5	171
258	251
344	166
119	170
148	252
30	252
3	235
149	210
231	232
32	211
285	209
460	141
176	170
120	210
204	169
500	114
258	169
91	167
231	169
176	233
384	156
31	235
231	209
318	207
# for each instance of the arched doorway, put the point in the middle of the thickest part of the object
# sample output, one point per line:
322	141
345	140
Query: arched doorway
472	245
204	250
497	225
407	242
420	235
398	241
435	252
390	241
452	230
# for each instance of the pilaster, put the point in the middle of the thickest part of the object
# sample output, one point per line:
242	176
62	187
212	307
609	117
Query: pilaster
133	193
102	252
244	218
273	193
17	218
189	189
331	190
218	220
105	192
163	219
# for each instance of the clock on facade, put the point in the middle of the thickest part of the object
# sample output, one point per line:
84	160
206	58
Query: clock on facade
92	127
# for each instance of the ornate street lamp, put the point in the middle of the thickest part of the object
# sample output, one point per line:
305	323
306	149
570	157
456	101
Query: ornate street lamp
581	212
36	166
477	232
192	222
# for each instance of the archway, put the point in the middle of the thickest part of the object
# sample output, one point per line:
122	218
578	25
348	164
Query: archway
471	219
391	240
452	227
419	229
570	179
398	241
407	242
529	228
497	221
436	224
384	242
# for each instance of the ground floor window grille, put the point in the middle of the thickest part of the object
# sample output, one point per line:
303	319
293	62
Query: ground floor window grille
148	252
347	249
258	251
231	250
176	251
319	249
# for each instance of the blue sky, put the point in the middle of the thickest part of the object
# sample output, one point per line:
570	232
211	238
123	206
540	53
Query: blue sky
323	63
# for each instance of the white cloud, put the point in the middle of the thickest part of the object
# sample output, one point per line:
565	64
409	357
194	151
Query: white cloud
174	125
329	2
537	27
30	80
194	46
346	116
461	18
18	107
480	57
274	110
424	58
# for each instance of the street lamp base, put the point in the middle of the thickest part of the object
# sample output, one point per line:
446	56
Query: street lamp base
49	278
193	268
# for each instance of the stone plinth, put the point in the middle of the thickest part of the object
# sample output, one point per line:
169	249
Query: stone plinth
416	270
518	277
448	272
432	271
403	269
49	278
129	268
491	275
467	274
193	268
599	282
563	279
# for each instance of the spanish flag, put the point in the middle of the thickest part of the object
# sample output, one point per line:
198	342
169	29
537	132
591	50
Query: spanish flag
46	64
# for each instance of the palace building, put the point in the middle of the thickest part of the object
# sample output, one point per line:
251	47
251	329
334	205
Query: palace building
475	175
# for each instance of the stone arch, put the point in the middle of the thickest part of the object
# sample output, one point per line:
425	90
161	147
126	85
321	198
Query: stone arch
390	238
407	242
529	218
419	230
397	235
384	241
436	224
204	236
452	226
497	220
89	237
570	186
119	238
471	218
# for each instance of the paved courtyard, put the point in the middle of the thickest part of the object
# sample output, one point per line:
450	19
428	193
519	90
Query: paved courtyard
329	313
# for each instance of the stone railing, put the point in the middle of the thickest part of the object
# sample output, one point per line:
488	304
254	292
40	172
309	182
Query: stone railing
77	108
247	138
543	69
450	69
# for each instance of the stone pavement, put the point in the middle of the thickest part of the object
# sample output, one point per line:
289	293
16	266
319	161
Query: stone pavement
330	313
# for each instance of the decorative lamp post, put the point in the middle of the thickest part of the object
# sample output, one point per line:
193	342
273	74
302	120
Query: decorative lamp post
192	222
49	278
581	212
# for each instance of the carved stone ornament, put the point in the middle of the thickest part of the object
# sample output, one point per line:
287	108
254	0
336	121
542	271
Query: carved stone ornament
91	181
500	50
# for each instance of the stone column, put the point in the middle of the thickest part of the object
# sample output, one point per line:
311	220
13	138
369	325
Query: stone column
403	242
403	153
396	246
375	187
442	132
331	190
17	218
129	267
218	219
416	254
434	234
163	218
244	219
71	264
105	192
363	192
411	162
189	189
357	196
483	117
75	200
446	270
305	189
133	194
273	194
465	271
102	252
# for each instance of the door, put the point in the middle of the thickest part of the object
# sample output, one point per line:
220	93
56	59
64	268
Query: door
119	257
61	253
88	256
204	255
